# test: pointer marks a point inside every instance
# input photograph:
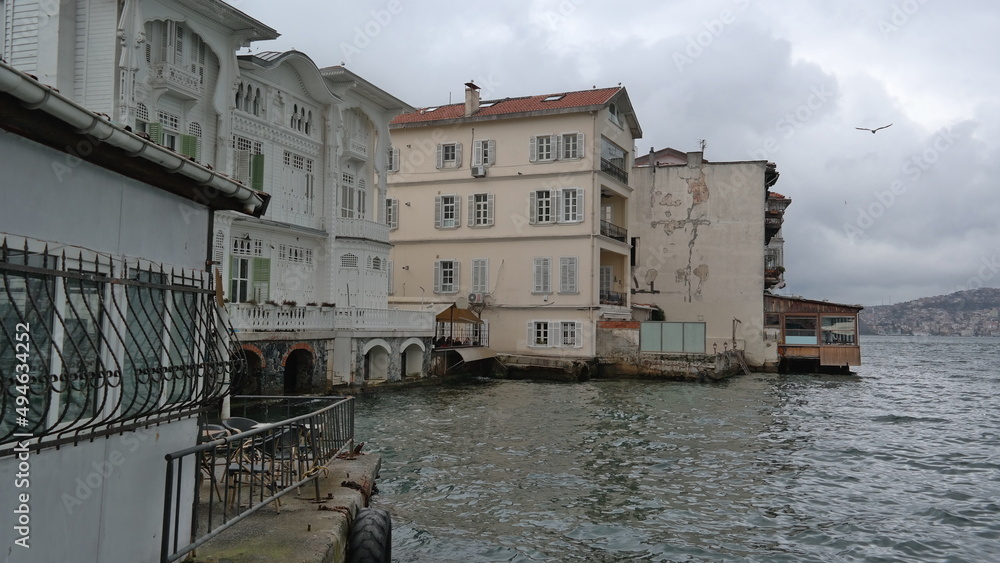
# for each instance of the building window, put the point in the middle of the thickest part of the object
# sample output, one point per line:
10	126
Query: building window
484	152
347	195
538	333
480	275
449	155
481	210
349	261
249	277
556	206
393	160
542	277
838	330
572	146
239	280
568	273
541	207
446	212
392	213
542	148
248	162
571	333
446	276
673	337
800	330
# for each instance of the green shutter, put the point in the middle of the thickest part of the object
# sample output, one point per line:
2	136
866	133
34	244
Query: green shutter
261	278
257	172
189	146
155	132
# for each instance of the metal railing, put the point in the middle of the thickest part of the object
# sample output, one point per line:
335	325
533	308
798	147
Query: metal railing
614	171
91	345
241	473
612	298
611	230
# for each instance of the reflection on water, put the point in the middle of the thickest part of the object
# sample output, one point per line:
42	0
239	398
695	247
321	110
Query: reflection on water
899	463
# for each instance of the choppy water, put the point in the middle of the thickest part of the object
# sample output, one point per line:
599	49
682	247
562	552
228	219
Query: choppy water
901	463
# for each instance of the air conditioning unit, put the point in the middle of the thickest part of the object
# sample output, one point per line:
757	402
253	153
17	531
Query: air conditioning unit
478	171
476	297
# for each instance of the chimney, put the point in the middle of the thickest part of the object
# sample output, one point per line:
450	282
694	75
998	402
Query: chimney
471	98
694	159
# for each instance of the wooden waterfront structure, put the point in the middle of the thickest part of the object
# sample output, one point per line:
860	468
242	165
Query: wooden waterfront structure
816	335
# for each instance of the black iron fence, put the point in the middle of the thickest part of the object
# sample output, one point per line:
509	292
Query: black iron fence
611	230
614	171
92	345
612	298
246	464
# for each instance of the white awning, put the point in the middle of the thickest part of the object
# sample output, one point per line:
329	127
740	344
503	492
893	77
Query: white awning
474	353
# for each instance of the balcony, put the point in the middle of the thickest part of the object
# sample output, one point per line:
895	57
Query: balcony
614	171
361	229
250	317
357	148
612	298
611	230
177	79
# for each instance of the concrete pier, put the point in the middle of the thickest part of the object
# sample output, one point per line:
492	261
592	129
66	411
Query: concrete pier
304	531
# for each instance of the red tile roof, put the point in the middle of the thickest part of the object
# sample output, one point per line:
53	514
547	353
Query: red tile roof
580	99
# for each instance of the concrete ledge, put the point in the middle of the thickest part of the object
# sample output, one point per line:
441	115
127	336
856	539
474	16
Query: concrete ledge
304	531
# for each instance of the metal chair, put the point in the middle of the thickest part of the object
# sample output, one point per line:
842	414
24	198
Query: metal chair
216	457
238	424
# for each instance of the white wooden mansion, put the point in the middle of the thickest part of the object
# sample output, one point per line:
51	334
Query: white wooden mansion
306	285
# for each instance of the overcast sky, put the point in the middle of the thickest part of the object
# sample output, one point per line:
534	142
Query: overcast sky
911	211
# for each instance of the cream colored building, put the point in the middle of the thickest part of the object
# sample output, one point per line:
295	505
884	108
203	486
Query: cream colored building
521	204
699	233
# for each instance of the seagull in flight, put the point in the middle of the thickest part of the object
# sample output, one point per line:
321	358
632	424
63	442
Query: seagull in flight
875	129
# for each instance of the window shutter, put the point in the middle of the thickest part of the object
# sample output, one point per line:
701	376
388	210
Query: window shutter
393	159
440	156
458	155
579	205
457	269
393	213
556	203
556	146
489	208
437	212
477	153
458	210
491	152
579	146
232	270
529	338
261	276
437	276
241	160
532	208
578	335
257	172
189	146
472	210
155	132
532	152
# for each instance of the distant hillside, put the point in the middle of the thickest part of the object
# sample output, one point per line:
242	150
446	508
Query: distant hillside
974	312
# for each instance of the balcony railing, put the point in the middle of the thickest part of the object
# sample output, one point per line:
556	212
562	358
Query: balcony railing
231	476
611	230
361	319
614	171
612	298
265	318
358	148
177	78
361	229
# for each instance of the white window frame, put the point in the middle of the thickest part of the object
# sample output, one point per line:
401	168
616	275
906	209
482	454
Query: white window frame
445	205
446	276
570	205
541	275
569	274
572	147
555	205
544	148
540	203
454	160
539	334
570	334
484	152
480	275
392	213
393	160
481	210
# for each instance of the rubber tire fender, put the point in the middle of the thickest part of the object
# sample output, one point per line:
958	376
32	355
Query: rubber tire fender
370	540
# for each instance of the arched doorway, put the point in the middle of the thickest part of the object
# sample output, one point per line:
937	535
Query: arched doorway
377	363
411	359
298	372
247	381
